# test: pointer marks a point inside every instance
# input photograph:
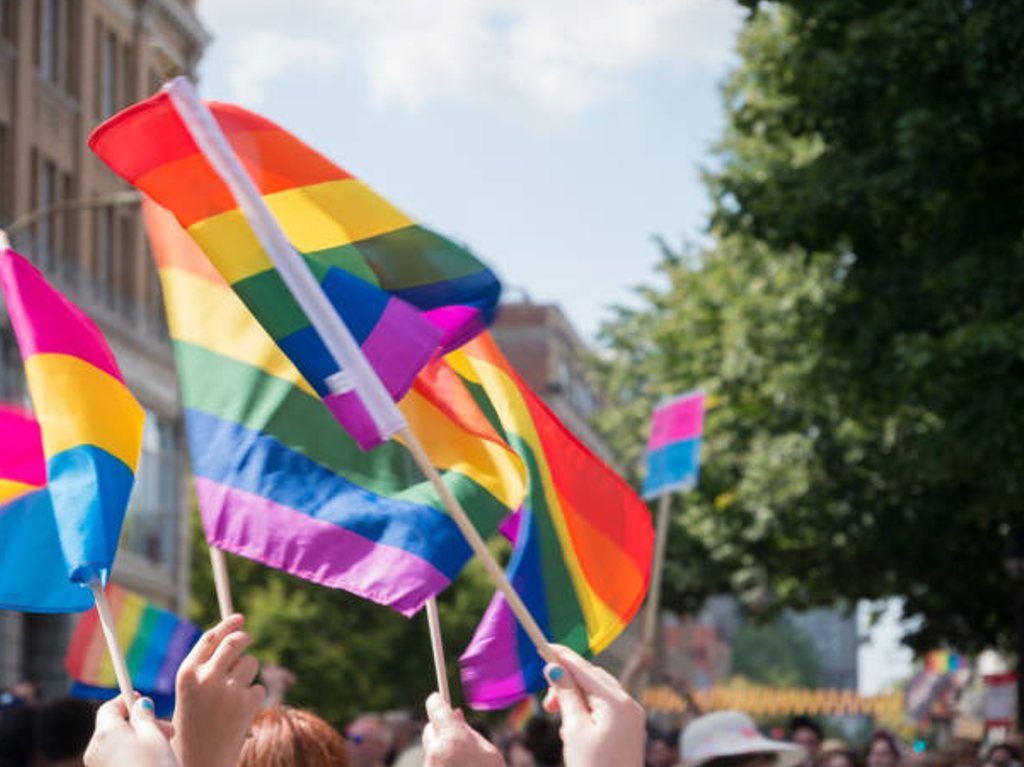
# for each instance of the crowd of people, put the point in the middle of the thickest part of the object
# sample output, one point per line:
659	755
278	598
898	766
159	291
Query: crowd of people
224	718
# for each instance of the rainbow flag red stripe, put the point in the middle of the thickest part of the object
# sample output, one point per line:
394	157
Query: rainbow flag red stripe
91	425
373	262
155	641
582	553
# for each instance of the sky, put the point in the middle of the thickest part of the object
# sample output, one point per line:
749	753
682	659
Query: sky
554	137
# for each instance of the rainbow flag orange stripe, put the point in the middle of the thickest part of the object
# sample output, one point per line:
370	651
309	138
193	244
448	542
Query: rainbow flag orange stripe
583	548
155	642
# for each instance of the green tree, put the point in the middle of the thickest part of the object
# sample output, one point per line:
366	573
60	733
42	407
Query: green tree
859	317
775	655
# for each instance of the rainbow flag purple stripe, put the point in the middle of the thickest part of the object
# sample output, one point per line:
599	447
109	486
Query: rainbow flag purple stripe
673	450
91	425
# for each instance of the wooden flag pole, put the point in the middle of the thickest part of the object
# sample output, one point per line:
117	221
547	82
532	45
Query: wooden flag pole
437	646
124	680
459	516
650	625
221	582
308	293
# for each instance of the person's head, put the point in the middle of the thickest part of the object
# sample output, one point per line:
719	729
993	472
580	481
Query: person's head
283	736
838	758
369	741
1002	755
663	748
807	734
730	739
405	730
63	729
16	738
544	741
883	751
25	691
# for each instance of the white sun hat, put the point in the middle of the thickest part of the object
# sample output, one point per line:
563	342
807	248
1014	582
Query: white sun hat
731	733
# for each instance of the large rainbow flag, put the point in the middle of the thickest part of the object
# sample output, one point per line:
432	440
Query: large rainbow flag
582	554
373	262
279	481
90	423
33	571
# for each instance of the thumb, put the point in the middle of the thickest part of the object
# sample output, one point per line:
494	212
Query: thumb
570	697
144	722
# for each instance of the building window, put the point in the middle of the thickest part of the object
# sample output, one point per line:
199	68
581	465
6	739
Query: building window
125	276
12	379
8	21
46	51
104	255
47	231
5	172
68	251
151	524
108	75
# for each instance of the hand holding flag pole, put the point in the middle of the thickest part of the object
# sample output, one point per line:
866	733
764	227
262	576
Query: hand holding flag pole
356	375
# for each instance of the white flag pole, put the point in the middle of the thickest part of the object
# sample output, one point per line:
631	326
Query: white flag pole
124	680
437	647
221	582
359	374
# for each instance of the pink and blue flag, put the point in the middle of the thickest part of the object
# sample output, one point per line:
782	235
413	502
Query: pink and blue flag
33	575
90	424
673	450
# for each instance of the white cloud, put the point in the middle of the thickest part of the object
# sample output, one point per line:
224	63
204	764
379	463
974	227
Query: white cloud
558	57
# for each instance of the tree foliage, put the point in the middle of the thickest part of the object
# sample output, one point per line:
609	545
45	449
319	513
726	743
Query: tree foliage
775	655
859	318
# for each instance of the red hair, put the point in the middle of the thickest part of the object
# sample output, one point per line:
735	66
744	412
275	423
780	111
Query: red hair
289	737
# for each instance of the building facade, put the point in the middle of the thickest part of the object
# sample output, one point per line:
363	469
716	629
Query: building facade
549	354
65	66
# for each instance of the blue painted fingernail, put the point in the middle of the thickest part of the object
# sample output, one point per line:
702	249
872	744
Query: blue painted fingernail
147	704
555	673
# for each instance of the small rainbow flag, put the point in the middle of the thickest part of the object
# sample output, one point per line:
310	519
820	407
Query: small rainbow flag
33	571
673	450
942	661
404	292
582	554
90	423
155	642
521	713
281	482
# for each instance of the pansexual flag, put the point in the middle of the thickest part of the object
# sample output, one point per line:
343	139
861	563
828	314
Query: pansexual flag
582	554
280	482
90	423
155	642
33	571
404	291
673	450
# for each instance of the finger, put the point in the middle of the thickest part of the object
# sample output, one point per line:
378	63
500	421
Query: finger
209	641
571	701
440	713
550	703
429	736
112	715
144	722
591	679
229	651
166	728
244	672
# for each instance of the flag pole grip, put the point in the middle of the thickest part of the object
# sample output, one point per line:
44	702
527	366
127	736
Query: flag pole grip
437	646
221	582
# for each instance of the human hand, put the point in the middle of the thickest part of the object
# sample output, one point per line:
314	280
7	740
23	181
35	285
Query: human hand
449	742
601	725
138	738
216	699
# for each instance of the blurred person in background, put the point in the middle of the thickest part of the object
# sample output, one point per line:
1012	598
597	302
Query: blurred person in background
63	728
662	748
836	753
17	740
369	741
1003	755
883	750
806	733
22	693
406	749
517	754
731	739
